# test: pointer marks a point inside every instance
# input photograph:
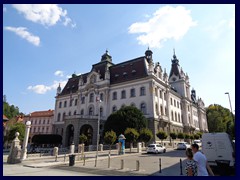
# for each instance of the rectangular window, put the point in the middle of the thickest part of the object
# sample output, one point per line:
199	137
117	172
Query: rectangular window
83	100
160	93
142	91
114	96
174	103
171	100
132	93
60	105
65	103
76	102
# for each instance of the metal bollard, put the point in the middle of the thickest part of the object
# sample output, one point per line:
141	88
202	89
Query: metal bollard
137	165
122	164
181	167
84	160
109	160
160	165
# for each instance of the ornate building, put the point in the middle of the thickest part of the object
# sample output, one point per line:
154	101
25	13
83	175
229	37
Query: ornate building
166	101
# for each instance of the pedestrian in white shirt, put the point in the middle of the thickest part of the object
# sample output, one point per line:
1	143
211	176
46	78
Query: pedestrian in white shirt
201	160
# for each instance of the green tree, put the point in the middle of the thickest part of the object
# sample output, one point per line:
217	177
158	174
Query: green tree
18	127
109	138
161	135
180	136
219	119
131	136
199	134
192	136
126	117
173	136
145	135
186	136
196	136
82	138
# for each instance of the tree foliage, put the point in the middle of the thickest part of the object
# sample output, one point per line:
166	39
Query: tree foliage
219	119
110	137
10	111
161	135
82	138
180	136
173	135
18	127
145	135
126	117
131	135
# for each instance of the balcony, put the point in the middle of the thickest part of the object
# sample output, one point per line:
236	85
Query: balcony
164	118
79	116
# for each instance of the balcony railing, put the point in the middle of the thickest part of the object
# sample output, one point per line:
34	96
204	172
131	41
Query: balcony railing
79	116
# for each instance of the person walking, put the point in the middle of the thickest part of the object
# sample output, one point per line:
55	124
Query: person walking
201	161
191	166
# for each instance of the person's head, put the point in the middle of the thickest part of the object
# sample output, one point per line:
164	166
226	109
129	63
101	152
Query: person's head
195	148
189	153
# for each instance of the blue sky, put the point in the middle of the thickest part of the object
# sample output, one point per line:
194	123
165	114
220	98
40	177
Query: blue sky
44	44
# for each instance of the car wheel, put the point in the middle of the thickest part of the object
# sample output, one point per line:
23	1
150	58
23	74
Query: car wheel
164	150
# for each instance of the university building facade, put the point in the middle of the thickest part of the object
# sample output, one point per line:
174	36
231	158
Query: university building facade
165	100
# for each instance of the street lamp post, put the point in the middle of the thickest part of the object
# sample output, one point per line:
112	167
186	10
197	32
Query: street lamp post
98	124
25	142
230	106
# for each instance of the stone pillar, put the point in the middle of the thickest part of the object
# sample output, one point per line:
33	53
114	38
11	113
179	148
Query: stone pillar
55	151
101	147
80	148
15	151
25	141
72	148
139	147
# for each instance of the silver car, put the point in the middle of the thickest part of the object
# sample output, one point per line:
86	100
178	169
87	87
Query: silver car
156	148
183	145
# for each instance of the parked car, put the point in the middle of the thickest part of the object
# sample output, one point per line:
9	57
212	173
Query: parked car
156	148
198	142
183	145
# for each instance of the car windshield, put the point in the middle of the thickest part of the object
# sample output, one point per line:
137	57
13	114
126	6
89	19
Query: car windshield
151	145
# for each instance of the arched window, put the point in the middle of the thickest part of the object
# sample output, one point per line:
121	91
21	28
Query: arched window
123	94
63	115
91	97
156	107
143	108
101	111
101	96
59	117
90	111
176	117
142	91
114	109
82	112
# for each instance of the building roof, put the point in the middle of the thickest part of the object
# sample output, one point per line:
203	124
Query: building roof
122	72
42	113
5	118
128	70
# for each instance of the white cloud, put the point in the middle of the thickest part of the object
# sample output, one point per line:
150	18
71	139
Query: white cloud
43	89
45	14
166	23
39	89
23	33
4	9
59	73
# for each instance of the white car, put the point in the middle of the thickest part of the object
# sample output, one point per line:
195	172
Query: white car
183	145
156	148
198	142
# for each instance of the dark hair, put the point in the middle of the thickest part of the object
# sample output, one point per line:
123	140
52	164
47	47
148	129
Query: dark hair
189	153
195	146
